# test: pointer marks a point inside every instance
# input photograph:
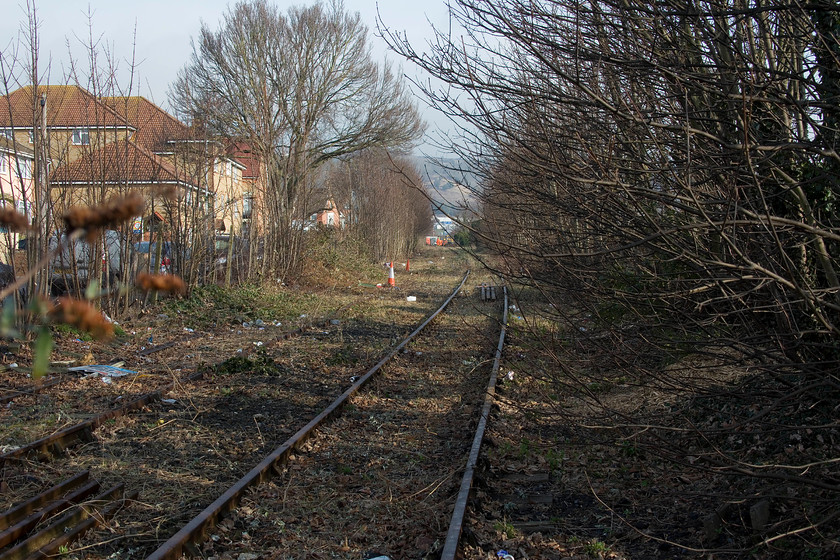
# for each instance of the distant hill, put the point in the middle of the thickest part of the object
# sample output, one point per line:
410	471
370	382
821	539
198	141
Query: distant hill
449	183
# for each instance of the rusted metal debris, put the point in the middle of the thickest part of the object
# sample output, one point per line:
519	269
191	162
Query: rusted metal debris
81	513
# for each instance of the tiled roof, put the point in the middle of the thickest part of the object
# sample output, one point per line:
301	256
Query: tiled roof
120	162
8	146
154	125
67	106
241	152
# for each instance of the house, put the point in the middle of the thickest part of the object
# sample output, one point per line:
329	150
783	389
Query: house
16	188
329	215
252	182
191	152
100	146
122	166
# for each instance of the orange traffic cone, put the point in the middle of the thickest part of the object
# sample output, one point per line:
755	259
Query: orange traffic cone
391	281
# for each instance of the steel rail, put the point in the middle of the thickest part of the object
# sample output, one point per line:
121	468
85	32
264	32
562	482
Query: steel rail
83	431
453	535
57	442
12	394
194	531
70	526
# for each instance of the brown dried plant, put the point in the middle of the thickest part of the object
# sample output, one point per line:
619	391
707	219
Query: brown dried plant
82	315
168	192
161	283
14	220
112	213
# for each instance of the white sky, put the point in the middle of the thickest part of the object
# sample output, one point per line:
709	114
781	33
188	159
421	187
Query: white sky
164	29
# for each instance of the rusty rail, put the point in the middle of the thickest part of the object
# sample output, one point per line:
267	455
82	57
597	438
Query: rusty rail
453	535
59	441
31	390
196	530
80	515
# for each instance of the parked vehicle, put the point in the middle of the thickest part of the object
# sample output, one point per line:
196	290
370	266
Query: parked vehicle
72	264
146	251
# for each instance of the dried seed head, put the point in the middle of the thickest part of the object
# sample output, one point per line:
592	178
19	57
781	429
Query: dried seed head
168	192
82	315
110	214
13	220
161	283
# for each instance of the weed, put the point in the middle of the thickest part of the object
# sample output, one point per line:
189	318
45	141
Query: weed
524	448
554	459
67	330
628	449
596	548
211	304
597	387
344	357
261	365
505	527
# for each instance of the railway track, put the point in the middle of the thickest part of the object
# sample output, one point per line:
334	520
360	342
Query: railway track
393	401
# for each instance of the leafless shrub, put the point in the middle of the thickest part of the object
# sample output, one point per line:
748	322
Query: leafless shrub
664	175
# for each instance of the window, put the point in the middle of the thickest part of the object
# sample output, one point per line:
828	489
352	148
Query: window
31	137
247	205
8	133
25	168
81	136
3	165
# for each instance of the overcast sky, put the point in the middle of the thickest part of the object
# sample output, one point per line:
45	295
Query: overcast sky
164	29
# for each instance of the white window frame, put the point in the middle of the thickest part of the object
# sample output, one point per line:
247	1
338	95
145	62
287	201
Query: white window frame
25	168
247	204
81	137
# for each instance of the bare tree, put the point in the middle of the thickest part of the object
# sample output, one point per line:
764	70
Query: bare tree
303	89
382	203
